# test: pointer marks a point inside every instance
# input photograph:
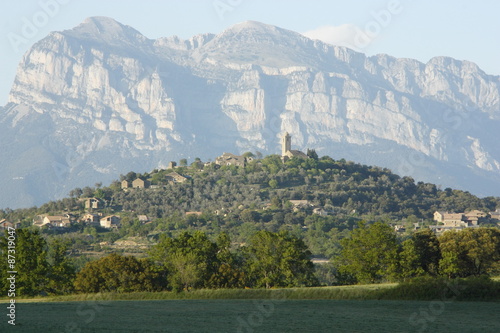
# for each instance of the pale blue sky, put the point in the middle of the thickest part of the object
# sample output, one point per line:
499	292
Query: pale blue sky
420	29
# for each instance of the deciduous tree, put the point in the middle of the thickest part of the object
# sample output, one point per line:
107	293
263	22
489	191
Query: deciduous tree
369	253
191	259
472	251
279	260
420	255
62	272
30	261
117	273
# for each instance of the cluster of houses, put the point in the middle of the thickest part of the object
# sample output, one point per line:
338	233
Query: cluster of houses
225	159
92	217
66	220
171	178
136	183
232	159
241	161
458	221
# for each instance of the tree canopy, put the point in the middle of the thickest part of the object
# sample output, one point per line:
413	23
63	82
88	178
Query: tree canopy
117	273
469	252
40	270
190	259
420	255
279	260
370	253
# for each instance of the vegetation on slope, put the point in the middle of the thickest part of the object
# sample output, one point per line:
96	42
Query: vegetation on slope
247	233
243	200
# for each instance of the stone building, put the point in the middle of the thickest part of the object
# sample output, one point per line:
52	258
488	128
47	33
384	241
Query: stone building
109	222
140	183
175	177
93	203
231	159
286	148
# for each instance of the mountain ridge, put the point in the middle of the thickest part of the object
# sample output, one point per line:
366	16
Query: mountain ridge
119	98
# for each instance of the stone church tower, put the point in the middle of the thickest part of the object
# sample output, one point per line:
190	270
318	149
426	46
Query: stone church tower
286	149
286	144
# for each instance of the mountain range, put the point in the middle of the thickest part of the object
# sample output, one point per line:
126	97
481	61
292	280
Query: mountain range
101	99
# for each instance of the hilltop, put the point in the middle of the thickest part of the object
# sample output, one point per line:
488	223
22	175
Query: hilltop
318	199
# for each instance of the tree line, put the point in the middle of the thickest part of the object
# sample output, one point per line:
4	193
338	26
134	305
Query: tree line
188	261
345	185
370	253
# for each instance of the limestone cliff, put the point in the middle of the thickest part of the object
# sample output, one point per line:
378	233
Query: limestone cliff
102	99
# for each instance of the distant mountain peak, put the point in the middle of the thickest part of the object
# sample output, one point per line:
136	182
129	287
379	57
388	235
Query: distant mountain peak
263	44
252	25
99	25
251	29
101	28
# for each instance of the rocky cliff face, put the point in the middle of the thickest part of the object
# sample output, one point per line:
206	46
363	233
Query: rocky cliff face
101	99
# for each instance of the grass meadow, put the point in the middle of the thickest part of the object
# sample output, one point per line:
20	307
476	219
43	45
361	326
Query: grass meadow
271	315
423	306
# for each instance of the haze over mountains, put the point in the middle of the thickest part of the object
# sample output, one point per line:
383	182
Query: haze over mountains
101	99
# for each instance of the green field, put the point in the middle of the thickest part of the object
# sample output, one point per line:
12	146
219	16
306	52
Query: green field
359	308
281	315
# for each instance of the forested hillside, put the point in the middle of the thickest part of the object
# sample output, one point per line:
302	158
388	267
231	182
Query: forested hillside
334	194
342	186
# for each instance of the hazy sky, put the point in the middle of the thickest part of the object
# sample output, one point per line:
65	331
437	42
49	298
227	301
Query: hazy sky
420	29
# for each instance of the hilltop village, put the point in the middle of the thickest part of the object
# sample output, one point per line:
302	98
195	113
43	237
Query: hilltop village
97	212
94	206
300	193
